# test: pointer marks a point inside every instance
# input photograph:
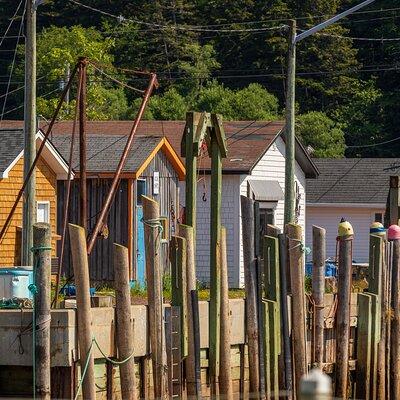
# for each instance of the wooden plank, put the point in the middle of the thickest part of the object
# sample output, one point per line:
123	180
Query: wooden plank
364	346
250	282
215	266
394	200
296	262
272	348
225	384
343	316
375	337
318	290
177	254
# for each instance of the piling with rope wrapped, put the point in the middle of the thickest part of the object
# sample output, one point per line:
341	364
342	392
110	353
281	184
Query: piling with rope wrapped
394	365
41	310
345	241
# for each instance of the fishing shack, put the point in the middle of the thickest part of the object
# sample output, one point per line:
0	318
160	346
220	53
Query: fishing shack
152	168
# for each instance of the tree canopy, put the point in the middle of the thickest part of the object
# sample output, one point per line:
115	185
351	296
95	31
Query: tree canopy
224	56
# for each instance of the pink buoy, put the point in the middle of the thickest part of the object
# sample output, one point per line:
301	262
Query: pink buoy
394	232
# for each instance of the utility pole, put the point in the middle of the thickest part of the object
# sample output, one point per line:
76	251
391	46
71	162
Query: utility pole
290	121
29	201
290	103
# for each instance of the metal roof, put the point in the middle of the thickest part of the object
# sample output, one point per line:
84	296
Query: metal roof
352	180
104	151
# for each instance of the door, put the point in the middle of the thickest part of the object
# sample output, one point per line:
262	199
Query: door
140	248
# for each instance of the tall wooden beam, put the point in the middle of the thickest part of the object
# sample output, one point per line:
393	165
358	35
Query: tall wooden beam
42	273
123	310
151	215
215	262
318	290
250	284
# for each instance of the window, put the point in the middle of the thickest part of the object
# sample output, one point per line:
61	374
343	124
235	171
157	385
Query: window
140	189
43	211
378	217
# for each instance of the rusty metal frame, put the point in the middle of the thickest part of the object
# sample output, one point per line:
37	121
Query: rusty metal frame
114	185
38	153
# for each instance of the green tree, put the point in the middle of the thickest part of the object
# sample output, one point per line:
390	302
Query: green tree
317	130
58	50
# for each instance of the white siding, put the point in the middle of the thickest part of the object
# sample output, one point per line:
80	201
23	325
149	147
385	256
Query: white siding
229	218
329	218
271	167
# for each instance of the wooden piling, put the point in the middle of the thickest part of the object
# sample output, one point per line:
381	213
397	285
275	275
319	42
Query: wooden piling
272	325
42	273
80	265
318	290
296	263
215	266
125	339
152	231
395	324
343	316
394	200
250	281
186	232
225	378
377	277
287	354
177	257
196	341
364	341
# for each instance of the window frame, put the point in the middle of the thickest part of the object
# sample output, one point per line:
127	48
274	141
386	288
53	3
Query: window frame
44	202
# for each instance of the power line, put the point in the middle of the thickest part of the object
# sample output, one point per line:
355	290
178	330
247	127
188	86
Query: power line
191	28
249	134
357	38
374	144
11	22
12	64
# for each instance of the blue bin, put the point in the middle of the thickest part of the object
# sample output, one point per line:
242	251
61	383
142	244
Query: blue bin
330	269
14	282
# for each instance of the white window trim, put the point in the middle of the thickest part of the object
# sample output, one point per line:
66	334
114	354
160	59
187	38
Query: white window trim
43	202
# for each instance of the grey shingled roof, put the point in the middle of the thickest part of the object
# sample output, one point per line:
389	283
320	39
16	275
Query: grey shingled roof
104	151
11	144
352	180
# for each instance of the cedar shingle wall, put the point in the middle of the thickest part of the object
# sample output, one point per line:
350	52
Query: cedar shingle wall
46	185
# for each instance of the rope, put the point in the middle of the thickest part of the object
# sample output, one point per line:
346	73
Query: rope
88	355
303	248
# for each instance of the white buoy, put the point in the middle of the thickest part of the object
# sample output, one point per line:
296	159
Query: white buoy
315	386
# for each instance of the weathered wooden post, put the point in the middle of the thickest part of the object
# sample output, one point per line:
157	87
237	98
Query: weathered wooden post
187	232
152	231
41	329
394	200
225	382
296	263
377	281
196	340
345	238
250	281
80	265
218	151
272	325
394	238
125	339
177	257
318	290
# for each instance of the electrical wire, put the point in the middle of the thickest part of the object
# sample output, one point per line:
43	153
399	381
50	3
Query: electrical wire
373	144
251	133
356	38
13	64
191	28
11	22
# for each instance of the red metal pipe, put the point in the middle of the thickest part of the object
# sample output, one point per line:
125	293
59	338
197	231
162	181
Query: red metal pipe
66	206
38	154
114	185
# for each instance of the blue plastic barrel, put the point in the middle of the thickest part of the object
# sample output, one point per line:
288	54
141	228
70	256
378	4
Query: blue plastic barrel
330	269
